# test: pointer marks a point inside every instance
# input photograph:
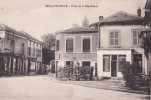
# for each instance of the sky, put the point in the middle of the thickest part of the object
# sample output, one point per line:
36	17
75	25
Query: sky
33	17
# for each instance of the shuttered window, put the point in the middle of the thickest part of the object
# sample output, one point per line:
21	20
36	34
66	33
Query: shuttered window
136	40
114	38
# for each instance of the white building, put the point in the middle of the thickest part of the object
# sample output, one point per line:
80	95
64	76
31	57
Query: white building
118	39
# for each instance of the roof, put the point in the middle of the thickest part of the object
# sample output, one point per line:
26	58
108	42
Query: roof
148	4
4	27
31	37
121	18
78	30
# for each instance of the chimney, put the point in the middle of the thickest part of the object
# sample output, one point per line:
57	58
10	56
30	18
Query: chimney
100	18
139	12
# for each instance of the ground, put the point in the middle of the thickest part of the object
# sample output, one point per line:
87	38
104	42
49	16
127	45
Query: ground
47	88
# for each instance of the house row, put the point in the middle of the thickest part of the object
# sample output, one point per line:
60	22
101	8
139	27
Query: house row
104	44
20	53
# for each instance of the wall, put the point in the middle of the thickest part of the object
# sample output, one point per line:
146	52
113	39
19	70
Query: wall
126	35
62	56
126	46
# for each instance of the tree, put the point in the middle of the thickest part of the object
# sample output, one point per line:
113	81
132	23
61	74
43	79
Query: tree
48	55
48	51
49	40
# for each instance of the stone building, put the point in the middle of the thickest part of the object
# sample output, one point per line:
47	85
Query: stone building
14	52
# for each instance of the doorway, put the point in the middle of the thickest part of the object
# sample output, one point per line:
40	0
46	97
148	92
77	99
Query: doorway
114	66
137	60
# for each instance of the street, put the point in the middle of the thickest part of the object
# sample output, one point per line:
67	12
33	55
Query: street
47	88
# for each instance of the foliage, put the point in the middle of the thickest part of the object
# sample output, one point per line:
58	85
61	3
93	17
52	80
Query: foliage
49	40
128	72
75	73
48	55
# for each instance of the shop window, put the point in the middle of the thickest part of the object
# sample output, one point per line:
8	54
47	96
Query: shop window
120	59
106	63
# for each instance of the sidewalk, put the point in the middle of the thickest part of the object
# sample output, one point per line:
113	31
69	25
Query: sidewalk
108	84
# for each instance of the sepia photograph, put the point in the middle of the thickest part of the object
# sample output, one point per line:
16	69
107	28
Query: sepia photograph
75	49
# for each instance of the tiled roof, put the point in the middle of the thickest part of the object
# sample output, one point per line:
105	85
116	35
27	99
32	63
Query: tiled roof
78	30
121	18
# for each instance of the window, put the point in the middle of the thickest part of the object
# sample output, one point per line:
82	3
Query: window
69	63
86	44
120	59
106	63
86	64
34	51
30	42
22	47
33	44
69	44
29	51
38	54
135	36
114	38
107	59
58	45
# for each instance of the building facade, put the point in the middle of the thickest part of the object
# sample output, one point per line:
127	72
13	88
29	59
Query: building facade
119	39
14	52
34	54
76	44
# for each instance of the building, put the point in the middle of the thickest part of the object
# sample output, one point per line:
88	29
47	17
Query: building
76	44
119	39
13	51
20	53
34	53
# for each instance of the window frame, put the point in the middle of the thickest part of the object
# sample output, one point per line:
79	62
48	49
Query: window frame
109	63
119	38
71	37
57	45
110	59
138	39
82	37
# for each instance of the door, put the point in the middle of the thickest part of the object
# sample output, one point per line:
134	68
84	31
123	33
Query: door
137	58
114	66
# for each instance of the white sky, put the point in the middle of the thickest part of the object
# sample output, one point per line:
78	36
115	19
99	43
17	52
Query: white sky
33	17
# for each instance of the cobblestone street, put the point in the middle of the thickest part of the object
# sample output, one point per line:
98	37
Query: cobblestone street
47	88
